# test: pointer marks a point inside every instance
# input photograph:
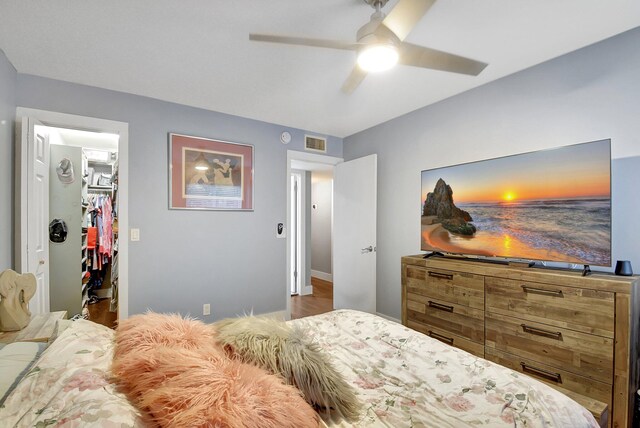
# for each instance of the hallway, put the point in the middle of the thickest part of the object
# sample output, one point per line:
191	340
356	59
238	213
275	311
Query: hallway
319	302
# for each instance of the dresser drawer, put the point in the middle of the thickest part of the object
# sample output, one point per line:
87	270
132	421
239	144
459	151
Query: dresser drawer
455	287
589	311
457	319
581	353
553	376
444	336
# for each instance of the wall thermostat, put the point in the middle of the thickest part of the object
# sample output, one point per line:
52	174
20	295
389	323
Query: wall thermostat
285	137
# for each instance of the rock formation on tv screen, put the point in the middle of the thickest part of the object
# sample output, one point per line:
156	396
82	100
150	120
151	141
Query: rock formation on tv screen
439	203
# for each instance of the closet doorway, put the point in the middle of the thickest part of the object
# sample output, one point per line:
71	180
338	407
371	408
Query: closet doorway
80	199
83	200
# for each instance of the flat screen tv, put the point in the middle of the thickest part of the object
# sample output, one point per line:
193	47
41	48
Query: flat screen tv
550	205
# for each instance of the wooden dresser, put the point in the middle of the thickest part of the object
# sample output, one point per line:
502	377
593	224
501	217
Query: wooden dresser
577	334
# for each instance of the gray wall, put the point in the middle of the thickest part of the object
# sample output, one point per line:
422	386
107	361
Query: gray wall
321	193
231	260
590	94
8	79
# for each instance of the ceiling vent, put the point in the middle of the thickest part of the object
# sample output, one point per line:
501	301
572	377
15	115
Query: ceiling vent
316	144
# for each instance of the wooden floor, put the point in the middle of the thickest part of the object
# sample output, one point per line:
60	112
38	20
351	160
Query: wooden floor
99	313
319	302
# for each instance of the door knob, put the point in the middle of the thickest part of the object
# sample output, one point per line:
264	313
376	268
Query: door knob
41	262
369	249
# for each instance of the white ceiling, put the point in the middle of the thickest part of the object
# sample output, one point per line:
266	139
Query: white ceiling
321	171
198	52
89	140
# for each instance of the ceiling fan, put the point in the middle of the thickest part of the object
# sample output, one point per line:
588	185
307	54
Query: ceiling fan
380	44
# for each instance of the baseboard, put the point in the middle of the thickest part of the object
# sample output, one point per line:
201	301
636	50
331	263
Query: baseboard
388	317
280	315
322	275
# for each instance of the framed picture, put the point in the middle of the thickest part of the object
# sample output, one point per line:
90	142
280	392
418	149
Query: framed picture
206	174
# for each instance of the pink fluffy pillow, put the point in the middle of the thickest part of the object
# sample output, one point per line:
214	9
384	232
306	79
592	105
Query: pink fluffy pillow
169	368
186	390
143	333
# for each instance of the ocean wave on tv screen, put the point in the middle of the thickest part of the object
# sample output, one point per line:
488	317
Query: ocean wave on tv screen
579	228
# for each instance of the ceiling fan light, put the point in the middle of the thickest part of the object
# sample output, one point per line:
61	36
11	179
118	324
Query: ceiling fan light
378	57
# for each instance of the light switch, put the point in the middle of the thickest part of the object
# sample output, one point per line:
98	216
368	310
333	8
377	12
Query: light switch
135	234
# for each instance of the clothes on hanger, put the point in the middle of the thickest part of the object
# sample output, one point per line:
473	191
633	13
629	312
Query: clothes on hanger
99	248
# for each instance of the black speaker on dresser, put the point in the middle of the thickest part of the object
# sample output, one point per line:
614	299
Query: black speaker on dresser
623	268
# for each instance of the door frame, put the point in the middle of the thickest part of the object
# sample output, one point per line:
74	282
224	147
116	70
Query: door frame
306	157
297	237
85	123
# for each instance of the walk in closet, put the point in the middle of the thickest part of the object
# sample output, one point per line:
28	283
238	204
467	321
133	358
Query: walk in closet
83	242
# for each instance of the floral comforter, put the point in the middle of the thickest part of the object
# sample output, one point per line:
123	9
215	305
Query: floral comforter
69	386
404	378
407	379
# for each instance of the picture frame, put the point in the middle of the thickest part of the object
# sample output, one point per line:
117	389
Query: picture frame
209	174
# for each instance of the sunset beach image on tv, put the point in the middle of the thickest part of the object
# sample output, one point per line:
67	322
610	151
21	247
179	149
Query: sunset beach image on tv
550	205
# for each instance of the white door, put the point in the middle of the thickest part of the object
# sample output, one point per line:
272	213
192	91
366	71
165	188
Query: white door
37	234
295	234
354	234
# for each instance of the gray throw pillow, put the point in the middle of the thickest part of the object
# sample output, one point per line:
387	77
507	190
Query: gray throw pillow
287	351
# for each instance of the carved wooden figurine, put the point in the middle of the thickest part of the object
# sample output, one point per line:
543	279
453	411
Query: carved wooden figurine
15	292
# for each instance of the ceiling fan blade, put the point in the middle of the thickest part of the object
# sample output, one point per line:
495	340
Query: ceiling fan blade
405	15
353	81
304	41
419	56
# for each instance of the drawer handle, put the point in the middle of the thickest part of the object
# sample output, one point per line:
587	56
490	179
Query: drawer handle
441	275
440	306
441	338
540	332
527	289
554	377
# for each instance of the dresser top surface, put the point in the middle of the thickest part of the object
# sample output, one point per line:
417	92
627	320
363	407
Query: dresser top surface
569	277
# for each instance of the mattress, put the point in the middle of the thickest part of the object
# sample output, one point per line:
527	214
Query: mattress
402	377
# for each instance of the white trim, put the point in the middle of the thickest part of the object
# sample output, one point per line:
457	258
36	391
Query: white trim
305	282
301	156
302	233
63	120
388	317
322	275
20	199
297	232
280	315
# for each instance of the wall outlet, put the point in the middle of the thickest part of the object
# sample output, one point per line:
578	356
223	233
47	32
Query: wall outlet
206	309
135	234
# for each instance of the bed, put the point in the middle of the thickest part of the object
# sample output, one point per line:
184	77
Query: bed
402	378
